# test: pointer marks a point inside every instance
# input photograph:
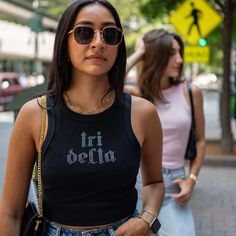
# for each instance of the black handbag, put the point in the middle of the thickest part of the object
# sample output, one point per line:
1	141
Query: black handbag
33	222
191	151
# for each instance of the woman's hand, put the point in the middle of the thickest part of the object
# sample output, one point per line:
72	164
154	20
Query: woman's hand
140	46
133	227
137	55
186	188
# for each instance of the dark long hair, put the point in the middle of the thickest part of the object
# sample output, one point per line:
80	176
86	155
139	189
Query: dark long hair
158	49
60	71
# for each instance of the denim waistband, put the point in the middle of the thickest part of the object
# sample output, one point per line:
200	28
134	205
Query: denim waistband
106	231
170	171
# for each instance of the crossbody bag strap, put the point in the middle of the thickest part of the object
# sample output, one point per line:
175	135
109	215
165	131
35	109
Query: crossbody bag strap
191	102
42	132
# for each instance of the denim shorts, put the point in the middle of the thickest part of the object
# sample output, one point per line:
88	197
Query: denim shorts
56	230
176	219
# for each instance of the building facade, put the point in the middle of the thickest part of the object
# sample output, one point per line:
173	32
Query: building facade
23	49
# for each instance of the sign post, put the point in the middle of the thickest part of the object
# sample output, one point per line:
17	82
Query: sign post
36	26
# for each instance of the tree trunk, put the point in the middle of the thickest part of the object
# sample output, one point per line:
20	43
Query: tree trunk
226	135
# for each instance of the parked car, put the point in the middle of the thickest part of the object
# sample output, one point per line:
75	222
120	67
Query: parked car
9	86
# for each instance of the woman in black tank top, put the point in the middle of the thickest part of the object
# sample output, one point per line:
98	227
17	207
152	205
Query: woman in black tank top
96	137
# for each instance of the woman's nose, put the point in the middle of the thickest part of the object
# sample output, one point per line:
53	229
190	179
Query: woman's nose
97	39
179	59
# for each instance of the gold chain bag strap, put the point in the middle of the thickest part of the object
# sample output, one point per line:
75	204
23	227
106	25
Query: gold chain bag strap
33	222
43	126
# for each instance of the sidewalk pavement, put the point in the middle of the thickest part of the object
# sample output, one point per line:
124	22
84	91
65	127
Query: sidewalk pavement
214	202
226	161
215	157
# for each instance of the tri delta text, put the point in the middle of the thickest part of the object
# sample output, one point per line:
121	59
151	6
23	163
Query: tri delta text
95	155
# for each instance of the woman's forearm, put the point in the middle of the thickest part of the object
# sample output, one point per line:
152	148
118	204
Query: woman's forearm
196	165
134	59
152	197
9	226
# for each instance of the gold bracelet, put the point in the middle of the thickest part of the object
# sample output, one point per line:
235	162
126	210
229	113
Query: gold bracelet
149	211
193	177
148	216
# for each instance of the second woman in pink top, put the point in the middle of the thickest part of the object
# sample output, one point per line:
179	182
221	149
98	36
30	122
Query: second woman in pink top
160	57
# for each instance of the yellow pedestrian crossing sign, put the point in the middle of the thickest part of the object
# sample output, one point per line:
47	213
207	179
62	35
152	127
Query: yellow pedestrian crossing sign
195	19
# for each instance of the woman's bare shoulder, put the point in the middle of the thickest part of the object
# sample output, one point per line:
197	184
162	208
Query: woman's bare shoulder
143	106
31	107
28	122
30	113
197	92
145	119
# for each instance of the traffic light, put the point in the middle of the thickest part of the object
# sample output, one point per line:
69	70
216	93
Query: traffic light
202	42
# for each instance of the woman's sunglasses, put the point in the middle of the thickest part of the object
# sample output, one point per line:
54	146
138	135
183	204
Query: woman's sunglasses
110	35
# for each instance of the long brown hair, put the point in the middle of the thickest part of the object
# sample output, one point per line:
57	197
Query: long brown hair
158	49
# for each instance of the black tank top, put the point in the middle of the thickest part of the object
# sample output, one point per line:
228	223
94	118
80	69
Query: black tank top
90	164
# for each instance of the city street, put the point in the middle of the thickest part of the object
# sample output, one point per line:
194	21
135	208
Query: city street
214	201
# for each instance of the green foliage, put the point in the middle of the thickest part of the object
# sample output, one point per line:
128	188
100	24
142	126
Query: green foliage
132	20
55	7
158	8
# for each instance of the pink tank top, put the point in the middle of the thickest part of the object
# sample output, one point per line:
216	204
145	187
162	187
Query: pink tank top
175	118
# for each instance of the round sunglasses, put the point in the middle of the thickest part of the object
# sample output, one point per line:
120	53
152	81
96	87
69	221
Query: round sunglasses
110	35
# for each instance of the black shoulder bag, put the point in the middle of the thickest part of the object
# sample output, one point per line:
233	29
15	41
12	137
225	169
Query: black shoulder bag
33	222
191	151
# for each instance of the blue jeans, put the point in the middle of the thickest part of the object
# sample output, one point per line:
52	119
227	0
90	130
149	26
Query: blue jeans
176	219
56	230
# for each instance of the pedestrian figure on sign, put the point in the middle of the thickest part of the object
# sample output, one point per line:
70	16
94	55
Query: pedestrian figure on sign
195	14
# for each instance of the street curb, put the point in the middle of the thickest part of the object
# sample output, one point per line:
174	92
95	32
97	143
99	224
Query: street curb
225	161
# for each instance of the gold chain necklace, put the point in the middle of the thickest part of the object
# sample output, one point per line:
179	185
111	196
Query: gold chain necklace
106	102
